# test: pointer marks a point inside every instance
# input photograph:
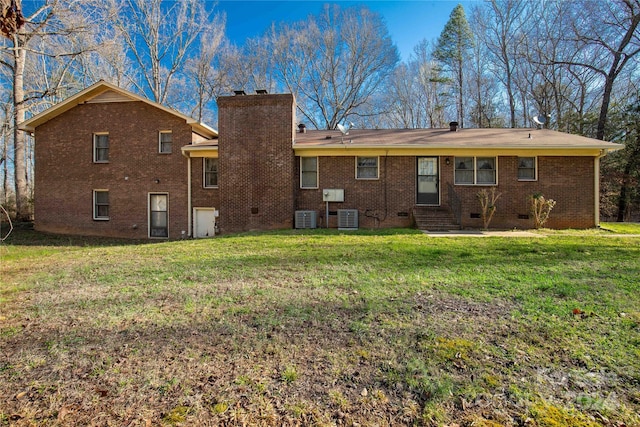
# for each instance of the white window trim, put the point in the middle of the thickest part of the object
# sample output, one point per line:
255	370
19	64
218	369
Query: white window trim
160	141
204	173
149	216
95	213
535	170
317	173
475	172
95	160
377	169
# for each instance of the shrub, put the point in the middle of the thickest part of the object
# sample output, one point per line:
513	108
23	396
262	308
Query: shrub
540	209
487	205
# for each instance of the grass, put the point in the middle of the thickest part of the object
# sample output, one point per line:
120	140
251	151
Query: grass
621	227
321	328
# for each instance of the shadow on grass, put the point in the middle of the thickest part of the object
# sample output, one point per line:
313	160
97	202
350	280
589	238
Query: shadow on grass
24	235
145	365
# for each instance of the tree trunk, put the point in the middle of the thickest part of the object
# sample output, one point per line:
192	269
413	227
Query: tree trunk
23	211
615	69
606	99
460	95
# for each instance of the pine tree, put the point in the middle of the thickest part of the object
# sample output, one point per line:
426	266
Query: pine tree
453	50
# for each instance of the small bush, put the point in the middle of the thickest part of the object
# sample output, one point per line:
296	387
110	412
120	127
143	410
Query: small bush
488	205
540	209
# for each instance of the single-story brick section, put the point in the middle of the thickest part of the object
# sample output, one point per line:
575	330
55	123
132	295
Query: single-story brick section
112	163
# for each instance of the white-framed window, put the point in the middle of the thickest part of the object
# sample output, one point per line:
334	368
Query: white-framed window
527	168
308	172
366	167
210	168
101	205
476	170
159	215
101	147
165	139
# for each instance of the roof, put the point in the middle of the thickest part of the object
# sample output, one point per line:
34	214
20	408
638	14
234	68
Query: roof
109	93
444	139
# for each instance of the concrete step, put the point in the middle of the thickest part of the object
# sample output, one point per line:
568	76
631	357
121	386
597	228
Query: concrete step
434	219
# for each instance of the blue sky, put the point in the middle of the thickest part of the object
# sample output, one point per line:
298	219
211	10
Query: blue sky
408	21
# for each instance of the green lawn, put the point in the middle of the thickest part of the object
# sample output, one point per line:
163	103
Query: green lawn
321	328
621	227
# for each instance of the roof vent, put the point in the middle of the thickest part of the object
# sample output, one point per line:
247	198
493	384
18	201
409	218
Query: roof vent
239	92
453	126
302	128
261	91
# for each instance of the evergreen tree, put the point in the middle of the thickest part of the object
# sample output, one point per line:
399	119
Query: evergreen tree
453	50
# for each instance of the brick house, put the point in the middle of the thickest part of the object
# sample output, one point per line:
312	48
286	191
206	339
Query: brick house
109	162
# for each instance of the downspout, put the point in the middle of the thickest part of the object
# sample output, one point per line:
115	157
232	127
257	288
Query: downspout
188	156
596	186
189	233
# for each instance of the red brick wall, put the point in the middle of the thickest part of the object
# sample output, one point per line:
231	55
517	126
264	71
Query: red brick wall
66	174
568	180
378	201
202	197
256	162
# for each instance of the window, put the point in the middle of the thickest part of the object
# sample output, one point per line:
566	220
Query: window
527	169
158	215
165	141
366	168
308	172
475	170
101	204
464	170
101	147
210	172
486	173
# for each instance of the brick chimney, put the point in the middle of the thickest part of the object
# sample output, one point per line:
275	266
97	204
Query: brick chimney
256	161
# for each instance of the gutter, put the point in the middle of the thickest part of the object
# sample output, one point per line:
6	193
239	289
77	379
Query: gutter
350	146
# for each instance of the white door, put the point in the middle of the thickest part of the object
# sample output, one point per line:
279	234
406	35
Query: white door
204	222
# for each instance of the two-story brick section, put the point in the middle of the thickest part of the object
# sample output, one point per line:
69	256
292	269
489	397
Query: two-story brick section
112	163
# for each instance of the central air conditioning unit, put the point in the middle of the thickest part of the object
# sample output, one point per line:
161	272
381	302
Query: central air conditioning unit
347	219
306	219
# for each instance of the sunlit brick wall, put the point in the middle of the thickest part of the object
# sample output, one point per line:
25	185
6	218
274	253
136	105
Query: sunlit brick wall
256	166
66	174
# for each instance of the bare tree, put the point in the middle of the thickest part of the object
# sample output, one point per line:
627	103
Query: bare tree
248	67
501	31
432	83
416	93
334	62
28	39
201	69
160	36
607	40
